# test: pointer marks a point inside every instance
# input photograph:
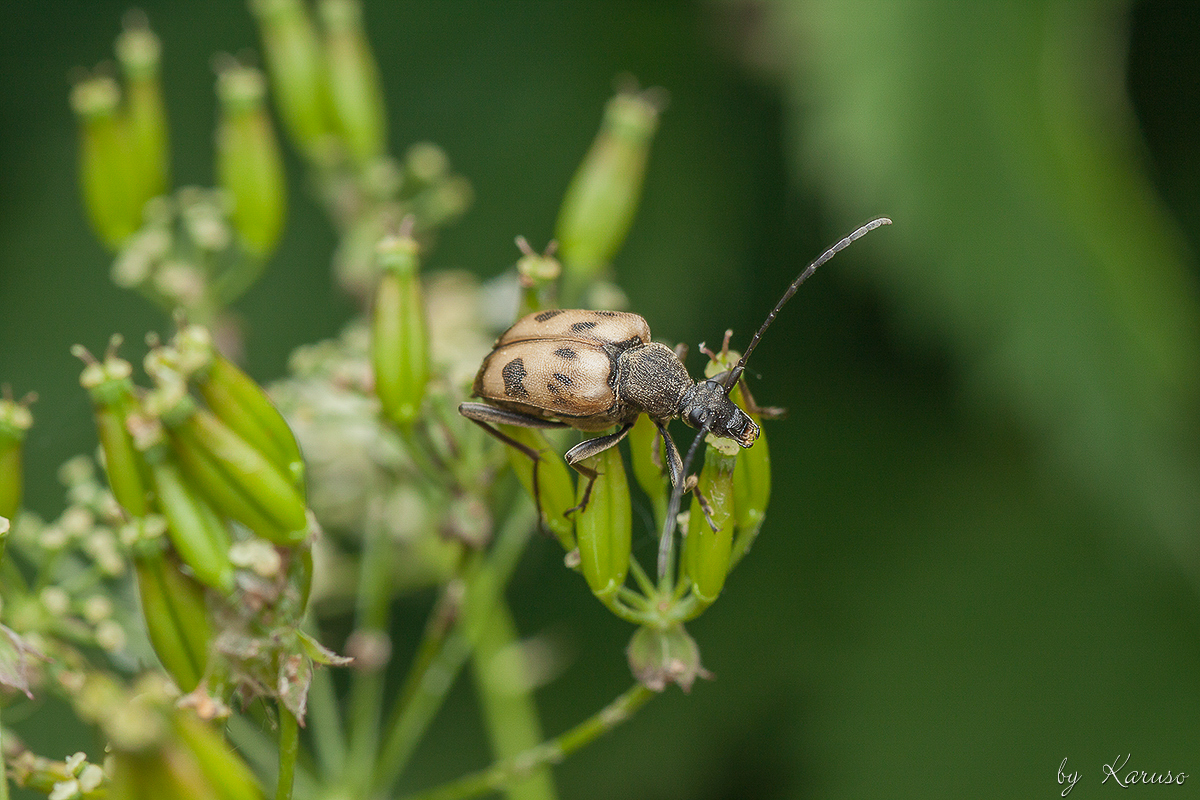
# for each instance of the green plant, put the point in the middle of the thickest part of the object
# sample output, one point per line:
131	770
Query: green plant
240	520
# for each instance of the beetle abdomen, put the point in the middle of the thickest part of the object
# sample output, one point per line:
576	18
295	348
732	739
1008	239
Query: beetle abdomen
611	327
559	378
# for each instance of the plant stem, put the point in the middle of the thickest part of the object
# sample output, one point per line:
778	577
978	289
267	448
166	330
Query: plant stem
501	681
550	752
289	746
262	753
325	725
366	683
3	765
484	585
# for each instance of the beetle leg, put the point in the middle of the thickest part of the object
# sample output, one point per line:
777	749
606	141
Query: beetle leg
705	508
766	412
674	462
587	449
482	414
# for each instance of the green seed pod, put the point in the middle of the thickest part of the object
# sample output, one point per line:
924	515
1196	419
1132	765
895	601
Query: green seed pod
176	616
248	160
15	421
603	196
555	493
706	553
216	452
197	533
225	772
299	80
604	527
224	494
187	759
645	454
400	337
240	403
751	485
355	91
107	174
111	390
538	275
139	52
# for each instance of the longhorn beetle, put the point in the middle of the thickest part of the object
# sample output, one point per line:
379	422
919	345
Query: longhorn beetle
591	370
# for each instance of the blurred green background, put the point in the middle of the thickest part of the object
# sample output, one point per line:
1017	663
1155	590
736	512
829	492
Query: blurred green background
982	553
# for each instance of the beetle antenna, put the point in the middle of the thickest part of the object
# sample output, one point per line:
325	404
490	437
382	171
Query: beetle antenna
671	519
732	378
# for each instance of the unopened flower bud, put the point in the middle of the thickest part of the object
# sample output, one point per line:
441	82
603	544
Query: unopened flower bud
709	540
239	480
751	484
355	91
139	52
15	421
554	493
537	274
299	81
176	616
196	531
248	160
400	337
108	176
111	389
240	403
603	196
646	455
603	527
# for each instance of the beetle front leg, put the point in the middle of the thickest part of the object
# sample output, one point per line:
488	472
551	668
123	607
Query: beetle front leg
587	449
674	462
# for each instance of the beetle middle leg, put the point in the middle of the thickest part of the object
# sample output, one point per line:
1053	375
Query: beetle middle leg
587	449
486	417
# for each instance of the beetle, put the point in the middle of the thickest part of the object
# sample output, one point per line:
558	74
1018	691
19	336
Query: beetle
592	370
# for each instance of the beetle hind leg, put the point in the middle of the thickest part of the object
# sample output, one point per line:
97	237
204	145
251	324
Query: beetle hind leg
485	416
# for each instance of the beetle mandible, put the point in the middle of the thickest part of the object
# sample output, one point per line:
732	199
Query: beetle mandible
591	370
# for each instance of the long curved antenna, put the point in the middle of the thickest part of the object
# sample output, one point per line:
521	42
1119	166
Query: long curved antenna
732	378
671	519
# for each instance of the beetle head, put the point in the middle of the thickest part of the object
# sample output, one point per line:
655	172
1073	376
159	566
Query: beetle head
706	405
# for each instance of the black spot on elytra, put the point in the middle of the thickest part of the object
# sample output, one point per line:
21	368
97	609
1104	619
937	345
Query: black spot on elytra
605	313
583	327
545	315
567	353
631	342
514	376
559	383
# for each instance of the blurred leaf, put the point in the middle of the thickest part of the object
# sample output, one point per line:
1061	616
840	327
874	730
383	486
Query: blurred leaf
1028	237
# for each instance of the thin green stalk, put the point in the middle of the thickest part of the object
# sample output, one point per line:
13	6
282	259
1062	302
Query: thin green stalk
442	618
507	702
550	752
263	753
367	683
325	725
642	579
427	461
3	767
409	720
618	604
289	747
